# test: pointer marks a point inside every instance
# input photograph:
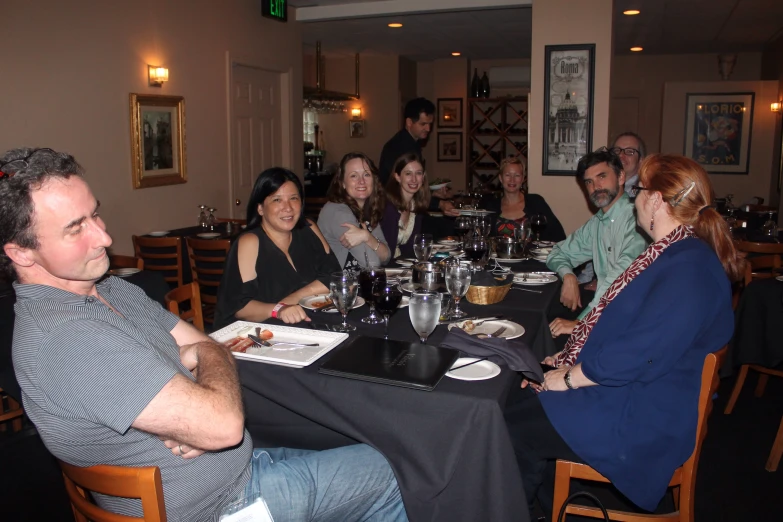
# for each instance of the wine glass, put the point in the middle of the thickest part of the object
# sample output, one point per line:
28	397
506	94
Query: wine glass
486	225
537	225
457	283
476	249
770	227
211	218
422	247
462	225
343	287
424	310
387	297
202	216
368	276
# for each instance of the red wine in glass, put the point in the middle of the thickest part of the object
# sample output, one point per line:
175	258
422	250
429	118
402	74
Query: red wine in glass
386	298
537	225
367	278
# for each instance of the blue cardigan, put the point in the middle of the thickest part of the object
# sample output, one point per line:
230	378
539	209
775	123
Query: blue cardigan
646	353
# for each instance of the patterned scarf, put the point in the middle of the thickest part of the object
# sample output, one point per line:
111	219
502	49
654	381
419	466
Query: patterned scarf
585	326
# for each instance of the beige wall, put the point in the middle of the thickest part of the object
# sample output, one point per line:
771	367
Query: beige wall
379	100
638	81
757	182
587	22
71	65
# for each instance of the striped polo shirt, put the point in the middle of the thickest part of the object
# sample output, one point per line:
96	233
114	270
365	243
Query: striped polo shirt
86	373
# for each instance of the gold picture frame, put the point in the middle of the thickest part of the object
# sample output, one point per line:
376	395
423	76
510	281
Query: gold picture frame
157	140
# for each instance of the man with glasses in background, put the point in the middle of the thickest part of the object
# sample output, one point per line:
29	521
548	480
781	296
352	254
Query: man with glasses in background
631	150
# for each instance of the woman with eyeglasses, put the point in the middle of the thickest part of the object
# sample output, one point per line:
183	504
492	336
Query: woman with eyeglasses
624	394
407	201
513	208
350	220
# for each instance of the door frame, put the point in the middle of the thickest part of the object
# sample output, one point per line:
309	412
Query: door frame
287	128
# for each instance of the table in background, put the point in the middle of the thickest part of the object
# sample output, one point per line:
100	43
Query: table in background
758	332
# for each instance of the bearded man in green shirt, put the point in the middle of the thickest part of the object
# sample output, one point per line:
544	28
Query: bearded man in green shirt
609	239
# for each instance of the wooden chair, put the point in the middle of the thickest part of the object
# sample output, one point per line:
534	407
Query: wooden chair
121	261
189	292
12	413
764	258
207	260
313	207
163	254
117	481
683	480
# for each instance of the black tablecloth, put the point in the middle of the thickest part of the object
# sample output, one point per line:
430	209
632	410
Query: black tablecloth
449	448
758	333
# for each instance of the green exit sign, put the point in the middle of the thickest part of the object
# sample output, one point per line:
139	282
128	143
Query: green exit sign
275	9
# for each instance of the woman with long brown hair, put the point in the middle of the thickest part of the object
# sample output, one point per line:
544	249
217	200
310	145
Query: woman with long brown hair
350	219
624	396
407	200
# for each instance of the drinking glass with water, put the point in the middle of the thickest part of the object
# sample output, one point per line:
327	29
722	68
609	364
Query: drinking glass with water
424	310
457	283
343	287
422	247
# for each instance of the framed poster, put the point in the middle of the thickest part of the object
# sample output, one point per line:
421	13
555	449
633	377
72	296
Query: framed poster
157	140
717	131
449	146
568	106
356	129
449	112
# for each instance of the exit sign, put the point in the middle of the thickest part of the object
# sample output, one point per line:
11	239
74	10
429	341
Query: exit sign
275	9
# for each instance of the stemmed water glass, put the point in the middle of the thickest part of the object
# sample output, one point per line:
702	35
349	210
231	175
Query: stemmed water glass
770	227
368	276
457	283
387	297
537	225
422	247
211	218
202	216
343	287
424	310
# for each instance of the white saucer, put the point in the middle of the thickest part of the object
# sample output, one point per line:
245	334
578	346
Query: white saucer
513	330
208	235
403	263
475	372
159	233
534	279
439	185
306	302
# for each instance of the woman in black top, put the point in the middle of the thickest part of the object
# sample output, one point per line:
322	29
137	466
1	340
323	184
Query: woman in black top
280	259
515	206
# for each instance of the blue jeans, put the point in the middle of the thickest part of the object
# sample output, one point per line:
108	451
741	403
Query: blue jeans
352	483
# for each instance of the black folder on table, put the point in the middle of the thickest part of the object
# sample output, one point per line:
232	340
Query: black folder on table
398	363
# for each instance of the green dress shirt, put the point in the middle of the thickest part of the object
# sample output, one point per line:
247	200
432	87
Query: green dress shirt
609	239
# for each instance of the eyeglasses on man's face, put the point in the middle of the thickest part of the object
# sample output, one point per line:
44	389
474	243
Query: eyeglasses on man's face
635	189
628	151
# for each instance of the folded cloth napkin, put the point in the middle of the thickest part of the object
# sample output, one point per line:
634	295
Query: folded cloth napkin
513	353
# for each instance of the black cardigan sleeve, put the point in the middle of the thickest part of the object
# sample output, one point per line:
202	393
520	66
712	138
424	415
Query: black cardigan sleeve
535	204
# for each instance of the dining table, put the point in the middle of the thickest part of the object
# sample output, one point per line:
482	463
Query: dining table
449	448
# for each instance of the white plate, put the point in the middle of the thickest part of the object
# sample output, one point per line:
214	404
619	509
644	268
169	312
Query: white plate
403	263
535	279
439	185
448	242
397	272
496	258
475	372
435	214
306	302
208	235
541	251
408	287
159	233
779	278
124	272
513	330
540	258
545	243
297	358
475	212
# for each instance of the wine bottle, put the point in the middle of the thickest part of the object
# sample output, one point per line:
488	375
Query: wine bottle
485	85
475	85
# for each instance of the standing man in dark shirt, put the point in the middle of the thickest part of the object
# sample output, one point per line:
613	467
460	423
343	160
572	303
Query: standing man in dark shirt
419	115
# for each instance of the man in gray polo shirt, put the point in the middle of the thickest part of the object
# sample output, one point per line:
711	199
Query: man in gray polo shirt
109	377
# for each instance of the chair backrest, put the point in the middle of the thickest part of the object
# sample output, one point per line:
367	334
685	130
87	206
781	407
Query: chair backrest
121	261
766	256
142	483
313	207
12	414
207	260
189	292
163	254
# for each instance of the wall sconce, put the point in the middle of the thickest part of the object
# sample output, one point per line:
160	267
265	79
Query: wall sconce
356	113
776	106
157	75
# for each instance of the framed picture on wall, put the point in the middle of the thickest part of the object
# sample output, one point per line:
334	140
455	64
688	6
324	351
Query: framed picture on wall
449	112
356	128
157	140
717	131
568	106
449	146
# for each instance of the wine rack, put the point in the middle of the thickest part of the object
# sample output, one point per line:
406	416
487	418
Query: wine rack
498	129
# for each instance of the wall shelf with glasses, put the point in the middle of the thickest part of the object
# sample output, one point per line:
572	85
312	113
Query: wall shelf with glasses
498	129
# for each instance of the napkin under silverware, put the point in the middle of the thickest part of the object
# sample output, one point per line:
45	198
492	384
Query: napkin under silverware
514	353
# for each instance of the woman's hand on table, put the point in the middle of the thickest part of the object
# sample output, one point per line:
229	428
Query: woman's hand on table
561	326
354	235
292	314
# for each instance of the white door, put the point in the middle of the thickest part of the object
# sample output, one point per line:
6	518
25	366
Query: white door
256	135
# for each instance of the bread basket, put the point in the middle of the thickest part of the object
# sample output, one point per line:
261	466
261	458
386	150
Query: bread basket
486	295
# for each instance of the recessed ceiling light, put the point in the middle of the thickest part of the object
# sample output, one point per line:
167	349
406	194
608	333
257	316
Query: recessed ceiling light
455	54
631	12
637	49
395	24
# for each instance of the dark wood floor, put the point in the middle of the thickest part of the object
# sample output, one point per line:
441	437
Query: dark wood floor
732	484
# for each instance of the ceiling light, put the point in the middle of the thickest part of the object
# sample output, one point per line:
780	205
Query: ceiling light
455	54
637	49
631	12
395	25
